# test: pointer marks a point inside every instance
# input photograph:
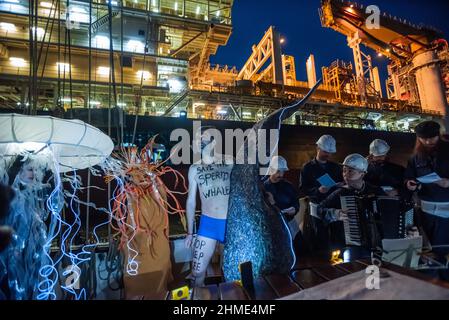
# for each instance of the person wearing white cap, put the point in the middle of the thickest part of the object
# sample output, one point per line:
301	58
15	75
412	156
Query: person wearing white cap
318	179
383	173
431	157
318	167
355	167
327	144
281	192
284	196
279	165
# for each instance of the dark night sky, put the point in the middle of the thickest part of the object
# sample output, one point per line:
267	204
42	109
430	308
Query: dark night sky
298	21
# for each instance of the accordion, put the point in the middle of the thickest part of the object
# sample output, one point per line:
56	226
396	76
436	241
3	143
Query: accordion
371	219
357	227
396	217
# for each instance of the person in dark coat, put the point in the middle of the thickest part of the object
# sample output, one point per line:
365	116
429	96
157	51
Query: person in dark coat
382	172
431	156
311	187
283	195
330	210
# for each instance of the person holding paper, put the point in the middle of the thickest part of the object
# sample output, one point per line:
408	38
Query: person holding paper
430	165
321	168
355	167
383	173
283	195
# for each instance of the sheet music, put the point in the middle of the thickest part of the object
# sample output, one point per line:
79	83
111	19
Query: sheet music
430	178
314	210
402	251
326	181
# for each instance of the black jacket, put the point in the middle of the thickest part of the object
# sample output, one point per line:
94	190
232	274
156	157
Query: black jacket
284	194
386	174
313	170
438	162
333	200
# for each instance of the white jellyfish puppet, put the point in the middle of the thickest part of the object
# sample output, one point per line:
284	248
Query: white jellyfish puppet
35	152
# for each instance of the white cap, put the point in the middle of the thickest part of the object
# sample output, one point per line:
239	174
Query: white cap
356	161
379	148
327	143
278	163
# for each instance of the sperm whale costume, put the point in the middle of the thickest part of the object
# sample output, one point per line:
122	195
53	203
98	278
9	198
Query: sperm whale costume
256	232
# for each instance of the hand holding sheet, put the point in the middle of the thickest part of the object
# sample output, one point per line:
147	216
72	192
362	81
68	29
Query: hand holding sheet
326	181
430	178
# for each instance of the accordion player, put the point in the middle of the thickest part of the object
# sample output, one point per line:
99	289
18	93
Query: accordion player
365	211
367	219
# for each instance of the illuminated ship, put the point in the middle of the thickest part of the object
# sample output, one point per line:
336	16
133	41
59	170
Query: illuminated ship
151	58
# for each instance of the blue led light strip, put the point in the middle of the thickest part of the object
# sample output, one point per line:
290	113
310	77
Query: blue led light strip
49	273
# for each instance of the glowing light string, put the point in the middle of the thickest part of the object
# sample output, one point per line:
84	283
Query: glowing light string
73	229
86	251
291	241
49	273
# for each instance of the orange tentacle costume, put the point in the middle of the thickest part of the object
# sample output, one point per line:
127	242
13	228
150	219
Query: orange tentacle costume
140	214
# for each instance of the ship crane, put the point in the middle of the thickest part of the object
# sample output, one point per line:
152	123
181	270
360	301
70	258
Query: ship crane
418	55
